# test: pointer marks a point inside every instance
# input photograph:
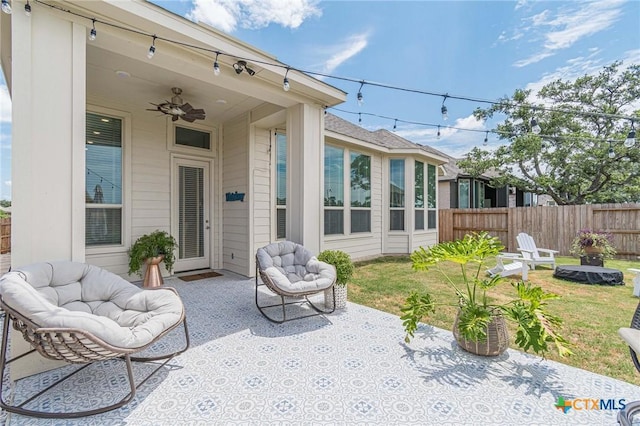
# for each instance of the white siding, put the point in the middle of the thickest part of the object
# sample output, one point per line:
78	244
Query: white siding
397	244
235	214
424	239
363	246
149	185
444	194
261	178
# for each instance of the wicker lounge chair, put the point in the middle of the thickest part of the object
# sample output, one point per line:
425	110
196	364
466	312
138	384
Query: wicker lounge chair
631	335
290	270
82	314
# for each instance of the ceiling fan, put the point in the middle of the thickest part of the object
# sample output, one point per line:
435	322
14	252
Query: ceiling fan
177	108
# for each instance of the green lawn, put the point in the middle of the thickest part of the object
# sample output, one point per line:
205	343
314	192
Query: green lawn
592	314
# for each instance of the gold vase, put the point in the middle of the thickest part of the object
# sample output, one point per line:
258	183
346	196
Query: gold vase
153	276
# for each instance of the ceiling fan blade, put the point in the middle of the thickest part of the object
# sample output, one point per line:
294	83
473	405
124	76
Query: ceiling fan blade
198	111
186	107
188	118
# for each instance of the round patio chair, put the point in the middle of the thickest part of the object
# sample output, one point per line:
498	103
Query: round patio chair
82	314
631	335
291	271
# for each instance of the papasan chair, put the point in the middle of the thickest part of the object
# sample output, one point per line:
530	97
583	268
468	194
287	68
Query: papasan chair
82	314
291	271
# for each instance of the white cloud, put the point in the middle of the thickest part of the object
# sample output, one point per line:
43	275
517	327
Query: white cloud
568	25
345	50
520	3
7	183
5	105
227	15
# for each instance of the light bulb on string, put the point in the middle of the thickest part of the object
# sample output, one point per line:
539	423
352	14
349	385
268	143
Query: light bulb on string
486	139
6	7
359	97
535	127
395	122
93	33
27	9
285	82
612	153
152	48
631	137
360	118
438	135
443	109
216	66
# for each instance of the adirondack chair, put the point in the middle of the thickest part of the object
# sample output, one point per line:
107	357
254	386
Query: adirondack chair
534	255
518	265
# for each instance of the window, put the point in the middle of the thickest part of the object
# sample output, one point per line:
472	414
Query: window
281	186
432	182
396	195
333	190
103	190
360	192
193	138
464	187
419	195
479	192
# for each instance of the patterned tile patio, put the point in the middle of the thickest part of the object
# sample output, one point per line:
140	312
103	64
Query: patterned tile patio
350	367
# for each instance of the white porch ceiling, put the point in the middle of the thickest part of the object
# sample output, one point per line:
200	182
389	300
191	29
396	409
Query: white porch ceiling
147	82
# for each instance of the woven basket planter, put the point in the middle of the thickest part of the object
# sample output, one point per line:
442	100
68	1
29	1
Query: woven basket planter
341	297
497	338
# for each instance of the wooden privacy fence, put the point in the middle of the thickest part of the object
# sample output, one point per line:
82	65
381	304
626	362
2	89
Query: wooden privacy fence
5	235
552	227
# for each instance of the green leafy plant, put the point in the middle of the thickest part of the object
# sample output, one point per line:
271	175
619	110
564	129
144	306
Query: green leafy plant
341	261
152	245
601	241
536	328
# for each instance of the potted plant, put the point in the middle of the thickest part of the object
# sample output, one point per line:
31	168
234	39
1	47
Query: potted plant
344	269
151	249
588	242
480	325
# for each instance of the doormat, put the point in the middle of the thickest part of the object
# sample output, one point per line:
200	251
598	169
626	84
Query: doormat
201	276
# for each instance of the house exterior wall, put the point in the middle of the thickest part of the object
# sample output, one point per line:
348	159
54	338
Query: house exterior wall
444	194
235	177
363	245
261	200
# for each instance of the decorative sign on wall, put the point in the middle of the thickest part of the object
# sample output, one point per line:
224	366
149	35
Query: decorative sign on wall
235	196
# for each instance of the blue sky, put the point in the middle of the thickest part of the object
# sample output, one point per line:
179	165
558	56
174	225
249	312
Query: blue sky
478	49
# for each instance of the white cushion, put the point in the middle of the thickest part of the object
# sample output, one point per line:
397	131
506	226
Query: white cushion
78	295
632	337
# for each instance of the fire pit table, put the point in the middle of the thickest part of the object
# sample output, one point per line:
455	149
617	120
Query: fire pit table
589	274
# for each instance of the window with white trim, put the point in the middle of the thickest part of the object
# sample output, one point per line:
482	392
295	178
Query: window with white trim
333	190
419	196
396	194
103	183
464	193
281	186
360	177
432	206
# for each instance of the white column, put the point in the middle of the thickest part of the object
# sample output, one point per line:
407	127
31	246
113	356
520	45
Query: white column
48	159
305	130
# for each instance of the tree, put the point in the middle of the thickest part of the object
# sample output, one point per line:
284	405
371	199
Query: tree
5	203
581	121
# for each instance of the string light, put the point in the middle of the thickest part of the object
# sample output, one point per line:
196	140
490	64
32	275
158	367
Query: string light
27	9
152	48
395	122
285	82
93	33
6	7
360	97
535	127
486	139
438	135
631	137
216	67
443	109
359	118
612	153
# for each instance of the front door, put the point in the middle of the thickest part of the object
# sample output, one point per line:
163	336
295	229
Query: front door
191	213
